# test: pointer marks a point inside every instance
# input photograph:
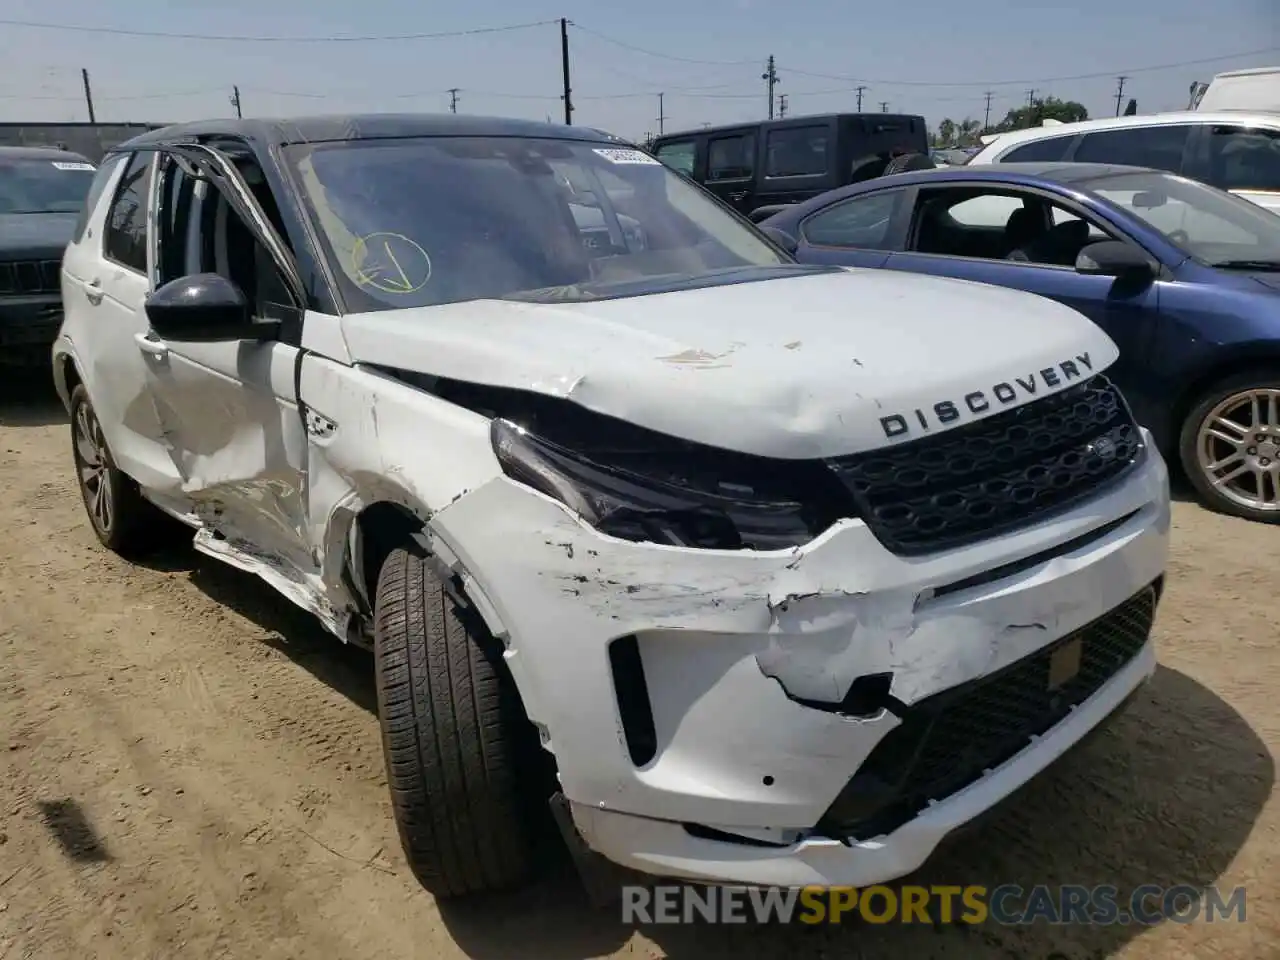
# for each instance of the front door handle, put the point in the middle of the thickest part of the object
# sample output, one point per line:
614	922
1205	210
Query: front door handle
738	195
156	348
93	291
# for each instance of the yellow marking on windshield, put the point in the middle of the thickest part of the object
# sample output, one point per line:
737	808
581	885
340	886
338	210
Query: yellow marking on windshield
375	264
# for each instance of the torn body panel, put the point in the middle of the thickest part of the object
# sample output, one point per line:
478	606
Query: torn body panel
731	642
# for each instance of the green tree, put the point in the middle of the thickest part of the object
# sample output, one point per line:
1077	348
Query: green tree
1049	108
946	133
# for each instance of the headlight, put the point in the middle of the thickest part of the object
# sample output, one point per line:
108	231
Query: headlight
668	491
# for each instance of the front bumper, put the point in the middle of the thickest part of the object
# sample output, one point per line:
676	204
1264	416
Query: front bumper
737	730
29	325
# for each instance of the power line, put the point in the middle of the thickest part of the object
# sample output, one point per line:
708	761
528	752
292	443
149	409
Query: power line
654	53
268	38
1040	80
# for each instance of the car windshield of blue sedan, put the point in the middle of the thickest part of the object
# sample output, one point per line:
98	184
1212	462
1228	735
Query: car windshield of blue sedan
1214	227
43	186
421	221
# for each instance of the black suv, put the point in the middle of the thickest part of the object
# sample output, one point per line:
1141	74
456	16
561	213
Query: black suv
42	191
754	167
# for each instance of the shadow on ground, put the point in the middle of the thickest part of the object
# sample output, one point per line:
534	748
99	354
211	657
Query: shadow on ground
28	399
1167	794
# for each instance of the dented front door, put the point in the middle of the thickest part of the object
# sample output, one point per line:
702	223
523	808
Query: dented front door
229	408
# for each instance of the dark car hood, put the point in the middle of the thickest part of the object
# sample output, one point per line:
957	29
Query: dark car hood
35	236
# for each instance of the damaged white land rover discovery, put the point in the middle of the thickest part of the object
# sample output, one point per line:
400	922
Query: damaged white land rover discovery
765	573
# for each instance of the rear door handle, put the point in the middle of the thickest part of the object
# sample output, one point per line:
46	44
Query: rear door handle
156	348
738	195
93	291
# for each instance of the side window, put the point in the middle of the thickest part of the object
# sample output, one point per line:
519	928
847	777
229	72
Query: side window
1157	147
1001	225
678	156
731	158
124	241
106	171
862	222
1244	159
1047	150
200	231
796	152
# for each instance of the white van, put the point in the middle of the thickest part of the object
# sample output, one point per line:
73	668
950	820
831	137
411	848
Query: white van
1257	89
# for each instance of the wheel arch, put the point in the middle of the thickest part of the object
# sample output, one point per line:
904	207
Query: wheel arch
66	376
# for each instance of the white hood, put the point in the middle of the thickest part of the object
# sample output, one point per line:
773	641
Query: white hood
808	366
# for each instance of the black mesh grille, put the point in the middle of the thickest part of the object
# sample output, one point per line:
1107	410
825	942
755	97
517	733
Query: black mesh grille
29	276
1004	471
947	741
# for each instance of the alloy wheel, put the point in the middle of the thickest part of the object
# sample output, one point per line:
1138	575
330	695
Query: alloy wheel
1238	449
94	468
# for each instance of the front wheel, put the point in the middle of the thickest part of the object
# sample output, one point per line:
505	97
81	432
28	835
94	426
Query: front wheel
451	732
1230	446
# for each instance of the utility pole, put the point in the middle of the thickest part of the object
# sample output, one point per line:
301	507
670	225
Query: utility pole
453	99
770	75
1031	98
860	89
1119	92
564	68
986	125
662	115
235	100
88	95
884	106
782	106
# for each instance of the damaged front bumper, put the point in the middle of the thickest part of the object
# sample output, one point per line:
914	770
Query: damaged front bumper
716	714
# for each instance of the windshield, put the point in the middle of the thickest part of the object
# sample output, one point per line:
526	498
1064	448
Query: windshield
423	221
43	186
1214	227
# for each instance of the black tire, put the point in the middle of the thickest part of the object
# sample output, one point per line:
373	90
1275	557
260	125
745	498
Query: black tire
130	525
1188	443
450	735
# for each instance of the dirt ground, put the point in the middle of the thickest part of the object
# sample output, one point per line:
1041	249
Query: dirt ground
190	768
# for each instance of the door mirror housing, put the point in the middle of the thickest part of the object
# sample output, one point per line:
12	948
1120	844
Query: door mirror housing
204	307
783	239
1112	258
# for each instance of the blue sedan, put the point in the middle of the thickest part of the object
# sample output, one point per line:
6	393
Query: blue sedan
1184	278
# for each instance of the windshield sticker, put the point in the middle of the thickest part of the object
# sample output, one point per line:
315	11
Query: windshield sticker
64	165
390	262
625	156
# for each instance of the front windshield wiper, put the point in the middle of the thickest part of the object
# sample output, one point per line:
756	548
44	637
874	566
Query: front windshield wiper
1268	265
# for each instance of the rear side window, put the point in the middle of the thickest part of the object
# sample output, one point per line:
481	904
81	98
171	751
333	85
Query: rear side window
678	156
124	240
796	152
861	223
1244	159
731	158
1048	150
99	183
1160	148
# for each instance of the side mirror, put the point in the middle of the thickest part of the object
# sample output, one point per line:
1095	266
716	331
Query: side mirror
203	307
783	239
1111	258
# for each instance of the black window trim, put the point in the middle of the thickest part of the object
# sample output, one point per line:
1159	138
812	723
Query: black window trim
115	196
894	236
1048	196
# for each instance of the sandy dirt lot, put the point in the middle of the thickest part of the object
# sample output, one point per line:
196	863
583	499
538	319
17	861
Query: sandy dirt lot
190	768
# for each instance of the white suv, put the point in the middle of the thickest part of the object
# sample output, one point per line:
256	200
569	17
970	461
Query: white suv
762	572
1232	150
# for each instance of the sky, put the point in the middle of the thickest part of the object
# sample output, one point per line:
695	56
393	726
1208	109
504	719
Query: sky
933	57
